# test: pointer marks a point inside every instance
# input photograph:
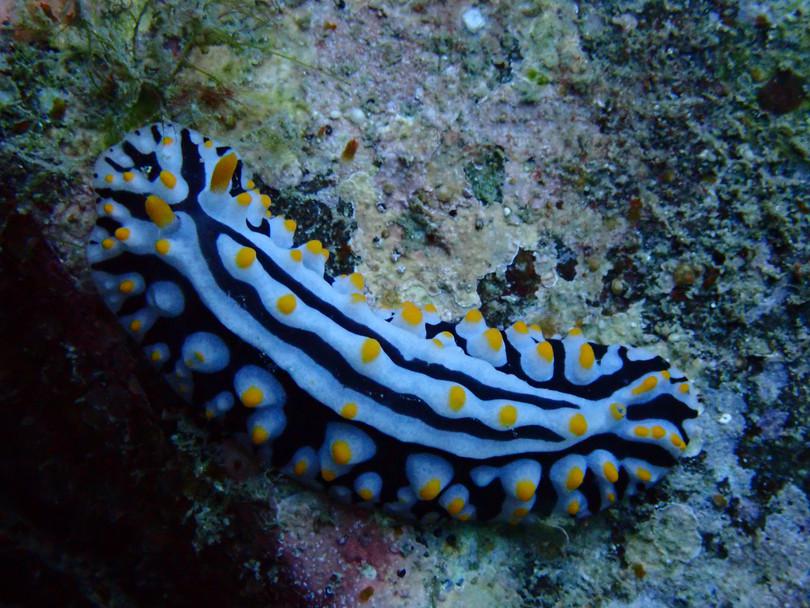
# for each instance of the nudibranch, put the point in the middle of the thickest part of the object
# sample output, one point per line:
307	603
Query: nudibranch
387	407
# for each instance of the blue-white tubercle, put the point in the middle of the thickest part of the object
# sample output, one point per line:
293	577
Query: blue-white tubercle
393	407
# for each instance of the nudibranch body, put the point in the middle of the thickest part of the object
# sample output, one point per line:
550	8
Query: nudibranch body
386	407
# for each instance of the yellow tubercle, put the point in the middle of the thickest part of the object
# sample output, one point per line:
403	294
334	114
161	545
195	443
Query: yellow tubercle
349	410
545	351
411	313
610	472
456	398
430	490
520	327
578	425
223	173
245	257
648	384
168	179
162	246
525	489
370	350
252	396
341	452
494	339
159	211
474	316
508	415
259	435
455	506
286	304
586	356
574	479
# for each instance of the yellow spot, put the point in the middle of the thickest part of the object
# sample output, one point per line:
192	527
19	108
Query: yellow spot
507	415
430	308
677	441
159	211
199	356
252	396
578	425
244	198
208	143
611	497
349	410
341	452
325	254
296	255
456	398
328	474
447	334
684	388
314	247
610	472
358	298
245	257
411	313
122	234
259	435
135	325
128	176
648	384
575	331
525	489
300	467
455	506
357	281
474	316
658	432
223	172
618	411
494	339
666	374
107	243
430	490
520	512
573	507
168	179
643	474
126	286
520	327
290	225
286	303
209	413
266	201
438	342
370	350
545	352
167	141
109	178
464	516
586	356
365	493
108	208
156	356
574	479
641	431
250	184
162	246
536	328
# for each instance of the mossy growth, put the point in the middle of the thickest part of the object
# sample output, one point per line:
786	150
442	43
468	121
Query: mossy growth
485	174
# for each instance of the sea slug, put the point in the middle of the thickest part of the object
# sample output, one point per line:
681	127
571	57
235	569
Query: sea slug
391	407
